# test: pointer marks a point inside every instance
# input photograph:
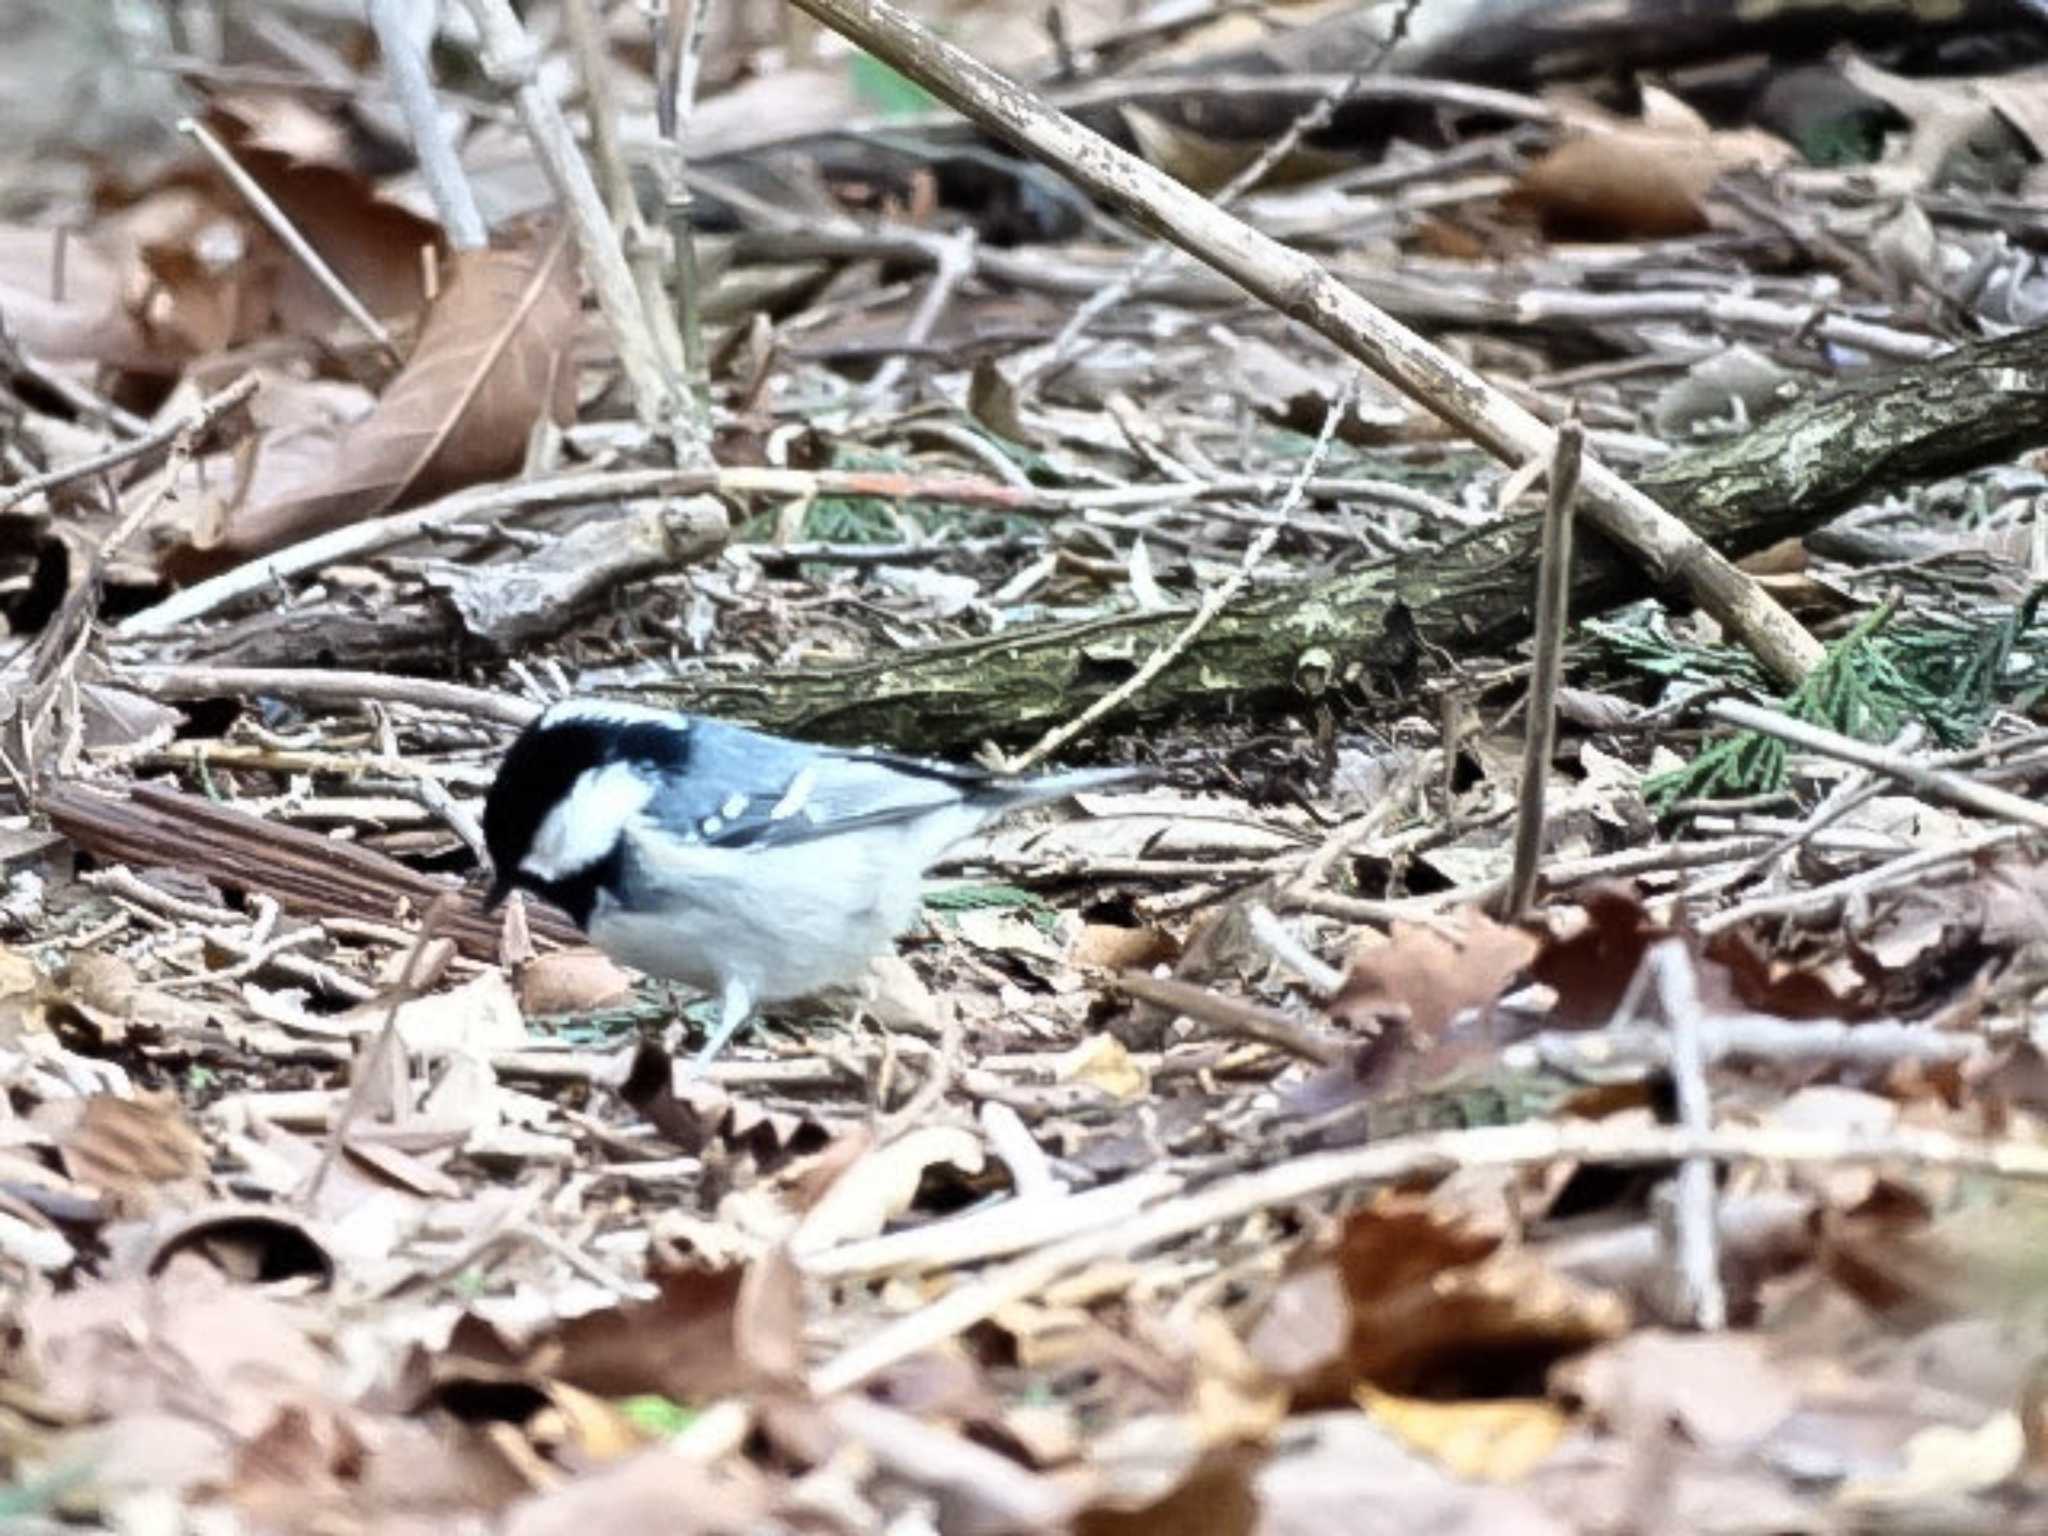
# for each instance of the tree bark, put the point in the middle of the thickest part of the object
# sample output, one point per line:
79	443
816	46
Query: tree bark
1354	635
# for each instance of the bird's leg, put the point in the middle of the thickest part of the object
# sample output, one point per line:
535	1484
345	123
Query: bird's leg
672	1034
738	1003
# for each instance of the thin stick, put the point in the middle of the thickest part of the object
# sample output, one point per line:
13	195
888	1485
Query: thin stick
664	406
373	1061
323	686
1214	602
1400	1159
1285	946
495	501
1316	118
1758	1037
642	253
56	652
273	218
1236	1016
1299	287
956	260
405	67
1933	783
1553	614
195	421
1911	868
1697	1237
678	49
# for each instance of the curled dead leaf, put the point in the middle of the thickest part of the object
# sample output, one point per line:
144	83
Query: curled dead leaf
570	981
880	1186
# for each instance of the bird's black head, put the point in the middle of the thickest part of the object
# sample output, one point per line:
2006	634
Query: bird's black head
565	792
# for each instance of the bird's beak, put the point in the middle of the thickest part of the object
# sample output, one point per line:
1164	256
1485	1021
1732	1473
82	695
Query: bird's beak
501	887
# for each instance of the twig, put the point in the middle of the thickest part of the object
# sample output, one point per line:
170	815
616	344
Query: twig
956	260
1011	1141
943	1067
54	657
530	496
1235	1016
266	209
405	67
325	687
1726	311
1298	286
1316	118
1283	944
454	815
1855	790
643	254
1213	603
1755	1037
59	382
1179	87
1697	1241
373	1061
1627	863
1934	783
1011	1226
678	50
197	420
664	405
1912	868
1553	611
1347	837
1404	1159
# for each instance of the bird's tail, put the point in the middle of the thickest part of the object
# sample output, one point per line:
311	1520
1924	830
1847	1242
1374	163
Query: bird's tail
1011	794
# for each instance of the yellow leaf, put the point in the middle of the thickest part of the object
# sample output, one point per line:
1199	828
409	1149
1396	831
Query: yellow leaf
1495	1442
1102	1062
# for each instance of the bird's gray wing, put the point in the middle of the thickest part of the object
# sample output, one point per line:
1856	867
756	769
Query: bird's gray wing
741	789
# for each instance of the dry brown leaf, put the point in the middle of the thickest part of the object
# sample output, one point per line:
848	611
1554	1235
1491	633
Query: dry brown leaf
161	1344
1424	975
1414	1298
685	1344
1102	1062
570	981
62	294
1215	1498
139	1152
492	360
373	245
1112	947
1646	180
1721	1391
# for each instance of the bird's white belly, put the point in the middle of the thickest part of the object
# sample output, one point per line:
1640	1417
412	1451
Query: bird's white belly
786	922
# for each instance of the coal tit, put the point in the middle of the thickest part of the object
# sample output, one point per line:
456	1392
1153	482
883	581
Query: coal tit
756	868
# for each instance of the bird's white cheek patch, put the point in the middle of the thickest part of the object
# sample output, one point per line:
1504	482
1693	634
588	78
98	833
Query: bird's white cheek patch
586	825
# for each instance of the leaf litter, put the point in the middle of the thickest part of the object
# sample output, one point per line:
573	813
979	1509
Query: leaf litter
1217	1158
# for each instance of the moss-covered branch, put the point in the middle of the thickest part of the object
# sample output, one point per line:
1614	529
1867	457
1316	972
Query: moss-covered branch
1359	633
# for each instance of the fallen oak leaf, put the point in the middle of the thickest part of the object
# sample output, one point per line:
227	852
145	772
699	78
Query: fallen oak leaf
492	359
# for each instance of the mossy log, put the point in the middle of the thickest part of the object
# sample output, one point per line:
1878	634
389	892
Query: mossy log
1367	631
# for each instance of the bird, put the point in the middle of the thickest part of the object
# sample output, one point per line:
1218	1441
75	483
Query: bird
753	867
